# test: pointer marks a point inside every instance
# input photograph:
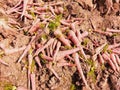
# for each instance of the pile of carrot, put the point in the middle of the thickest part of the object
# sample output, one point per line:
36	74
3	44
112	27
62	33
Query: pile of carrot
56	39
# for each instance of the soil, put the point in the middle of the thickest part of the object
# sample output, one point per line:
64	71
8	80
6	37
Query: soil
94	17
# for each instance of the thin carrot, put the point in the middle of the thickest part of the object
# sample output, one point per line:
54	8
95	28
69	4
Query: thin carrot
32	77
77	62
113	58
61	37
3	62
45	46
107	58
38	61
62	54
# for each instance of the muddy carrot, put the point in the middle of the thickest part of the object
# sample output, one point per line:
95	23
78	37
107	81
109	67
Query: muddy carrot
38	61
54	44
114	46
107	58
21	88
104	33
51	50
14	50
3	62
116	51
25	2
57	49
35	26
24	53
78	34
45	46
53	71
117	59
46	57
113	30
101	59
62	54
32	77
30	58
73	37
112	56
84	34
61	37
77	62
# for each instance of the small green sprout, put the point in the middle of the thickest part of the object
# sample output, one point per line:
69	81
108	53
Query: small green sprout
72	87
33	66
91	73
9	87
55	23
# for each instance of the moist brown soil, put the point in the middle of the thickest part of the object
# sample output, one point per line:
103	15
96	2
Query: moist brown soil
93	18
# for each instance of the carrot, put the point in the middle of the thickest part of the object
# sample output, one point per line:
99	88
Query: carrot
26	49
21	88
84	34
61	37
101	59
77	62
114	46
35	26
107	58
46	57
30	58
14	50
3	62
32	77
73	37
113	30
38	61
57	49
53	71
104	33
117	59
62	54
45	46
25	2
24	53
113	58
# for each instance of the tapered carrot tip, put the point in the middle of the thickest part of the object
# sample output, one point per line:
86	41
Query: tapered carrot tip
21	88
